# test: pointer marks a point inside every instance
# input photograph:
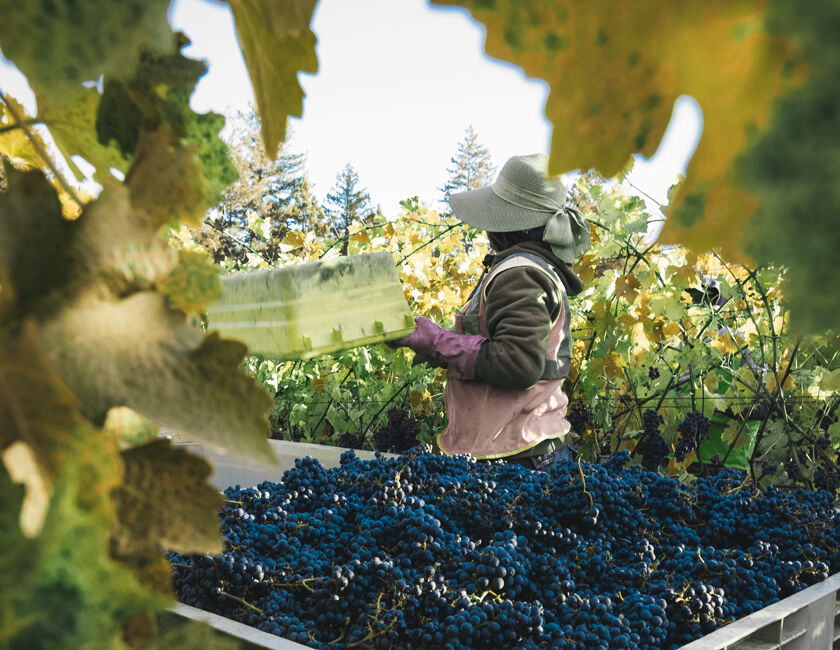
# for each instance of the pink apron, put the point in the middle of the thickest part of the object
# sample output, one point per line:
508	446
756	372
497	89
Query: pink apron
493	422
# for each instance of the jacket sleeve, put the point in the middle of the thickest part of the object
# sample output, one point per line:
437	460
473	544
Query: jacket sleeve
521	305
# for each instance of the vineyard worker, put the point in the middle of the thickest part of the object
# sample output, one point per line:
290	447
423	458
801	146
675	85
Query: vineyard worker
511	348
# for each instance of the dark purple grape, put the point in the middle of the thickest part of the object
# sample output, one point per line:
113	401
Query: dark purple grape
399	433
693	430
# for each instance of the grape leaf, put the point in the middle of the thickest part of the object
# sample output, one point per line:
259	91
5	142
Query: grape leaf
157	96
128	428
32	229
14	142
166	371
74	594
165	179
277	44
71	121
165	503
616	68
120	245
790	168
194	284
16	560
61	44
831	381
35	405
181	634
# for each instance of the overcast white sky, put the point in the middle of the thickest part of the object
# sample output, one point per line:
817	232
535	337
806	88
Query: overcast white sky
398	84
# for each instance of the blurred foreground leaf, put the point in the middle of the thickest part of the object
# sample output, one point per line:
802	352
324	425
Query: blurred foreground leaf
165	503
277	44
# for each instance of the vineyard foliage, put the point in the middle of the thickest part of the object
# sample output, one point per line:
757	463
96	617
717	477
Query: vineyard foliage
101	340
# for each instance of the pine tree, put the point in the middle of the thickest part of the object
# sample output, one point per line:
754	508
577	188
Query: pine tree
471	167
273	193
347	203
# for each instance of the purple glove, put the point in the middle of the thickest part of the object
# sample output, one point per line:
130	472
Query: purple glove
458	352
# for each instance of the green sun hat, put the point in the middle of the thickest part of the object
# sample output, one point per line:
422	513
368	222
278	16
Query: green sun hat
525	197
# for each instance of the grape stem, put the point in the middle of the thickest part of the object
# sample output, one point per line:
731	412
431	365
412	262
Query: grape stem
243	601
583	481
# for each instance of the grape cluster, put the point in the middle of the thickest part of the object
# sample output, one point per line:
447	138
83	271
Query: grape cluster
430	551
350	441
398	435
652	446
653	373
579	416
693	430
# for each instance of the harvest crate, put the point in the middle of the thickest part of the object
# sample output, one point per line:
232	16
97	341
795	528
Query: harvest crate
808	620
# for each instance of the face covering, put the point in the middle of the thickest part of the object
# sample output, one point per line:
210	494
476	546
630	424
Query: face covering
500	241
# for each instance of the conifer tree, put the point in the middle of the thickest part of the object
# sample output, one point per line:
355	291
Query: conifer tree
471	167
346	203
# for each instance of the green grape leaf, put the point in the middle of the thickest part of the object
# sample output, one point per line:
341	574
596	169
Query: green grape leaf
787	168
74	593
32	229
165	503
194	284
16	560
60	45
277	44
138	352
180	634
36	407
156	99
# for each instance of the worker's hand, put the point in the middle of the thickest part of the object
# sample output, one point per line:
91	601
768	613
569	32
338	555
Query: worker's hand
458	352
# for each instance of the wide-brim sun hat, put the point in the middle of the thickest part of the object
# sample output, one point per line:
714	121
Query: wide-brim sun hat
524	197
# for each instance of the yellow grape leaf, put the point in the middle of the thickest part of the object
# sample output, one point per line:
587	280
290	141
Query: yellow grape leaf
277	44
613	364
362	236
615	70
640	340
72	124
14	143
730	435
318	385
294	238
711	382
627	287
585	267
421	402
194	283
165	503
770	383
726	342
